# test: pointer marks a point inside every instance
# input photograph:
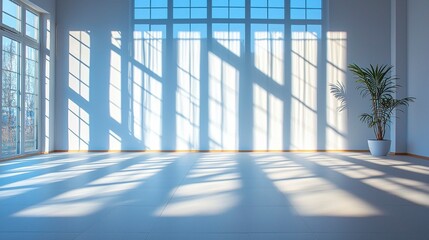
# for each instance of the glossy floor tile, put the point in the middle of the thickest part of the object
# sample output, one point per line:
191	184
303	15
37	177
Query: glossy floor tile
252	196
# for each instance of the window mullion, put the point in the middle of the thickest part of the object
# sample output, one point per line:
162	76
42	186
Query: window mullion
41	84
1	87
21	93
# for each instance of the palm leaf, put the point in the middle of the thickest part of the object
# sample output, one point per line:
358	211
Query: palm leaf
376	82
339	92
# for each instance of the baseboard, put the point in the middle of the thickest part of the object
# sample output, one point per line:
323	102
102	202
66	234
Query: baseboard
49	152
235	151
19	156
399	153
417	156
208	151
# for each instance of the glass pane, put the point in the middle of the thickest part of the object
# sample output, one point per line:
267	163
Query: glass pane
31	32
9	116
237	3
199	3
220	3
297	13
258	3
142	3
30	146
276	3
143	13
9	97
181	3
32	25
31	85
314	3
10	62
11	22
159	13
31	68
31	19
315	29
275	13
31	63
9	139
298	28
220	12
315	14
259	13
10	46
198	12
159	3
180	29
180	13
236	13
199	31
30	132
11	15
297	3
12	77
31	104
10	72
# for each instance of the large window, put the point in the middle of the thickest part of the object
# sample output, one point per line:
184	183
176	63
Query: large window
228	9
306	9
222	60
187	9
267	9
150	9
20	79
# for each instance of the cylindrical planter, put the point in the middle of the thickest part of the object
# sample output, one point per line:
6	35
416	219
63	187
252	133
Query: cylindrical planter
379	147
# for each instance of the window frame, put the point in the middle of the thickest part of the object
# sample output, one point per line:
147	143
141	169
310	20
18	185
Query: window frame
24	41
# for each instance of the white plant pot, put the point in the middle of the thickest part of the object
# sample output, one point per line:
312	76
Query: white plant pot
379	147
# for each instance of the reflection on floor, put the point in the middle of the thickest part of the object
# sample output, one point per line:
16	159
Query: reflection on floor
214	196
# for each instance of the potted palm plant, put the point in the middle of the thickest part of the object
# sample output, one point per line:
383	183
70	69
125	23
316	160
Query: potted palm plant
379	85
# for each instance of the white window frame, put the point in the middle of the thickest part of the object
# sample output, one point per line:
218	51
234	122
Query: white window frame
24	41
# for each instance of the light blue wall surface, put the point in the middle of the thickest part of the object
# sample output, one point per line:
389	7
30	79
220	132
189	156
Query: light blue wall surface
47	5
399	55
110	98
418	63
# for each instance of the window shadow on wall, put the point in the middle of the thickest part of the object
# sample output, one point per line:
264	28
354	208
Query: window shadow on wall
179	81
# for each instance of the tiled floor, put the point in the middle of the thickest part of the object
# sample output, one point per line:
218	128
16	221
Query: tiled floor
256	196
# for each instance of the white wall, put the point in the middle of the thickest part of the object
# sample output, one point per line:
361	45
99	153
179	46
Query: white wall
418	85
46	5
399	46
299	113
367	28
84	43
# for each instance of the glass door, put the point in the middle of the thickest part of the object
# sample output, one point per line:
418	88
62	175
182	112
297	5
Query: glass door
31	106
11	75
19	40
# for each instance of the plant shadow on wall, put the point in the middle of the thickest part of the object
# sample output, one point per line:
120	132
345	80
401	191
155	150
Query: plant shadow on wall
380	86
